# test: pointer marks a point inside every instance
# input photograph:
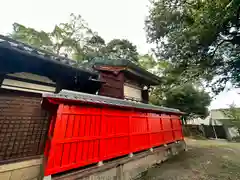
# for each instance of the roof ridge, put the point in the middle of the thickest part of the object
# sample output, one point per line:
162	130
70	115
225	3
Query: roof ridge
97	99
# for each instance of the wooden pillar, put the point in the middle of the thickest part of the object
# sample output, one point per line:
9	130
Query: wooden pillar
145	94
2	76
59	87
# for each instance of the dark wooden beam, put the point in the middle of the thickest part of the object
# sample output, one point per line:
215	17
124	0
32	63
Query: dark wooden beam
2	76
145	96
59	87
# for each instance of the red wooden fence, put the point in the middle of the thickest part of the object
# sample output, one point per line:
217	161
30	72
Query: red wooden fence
86	134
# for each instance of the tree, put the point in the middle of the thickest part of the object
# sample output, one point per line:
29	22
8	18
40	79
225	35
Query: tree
76	39
73	38
232	117
95	47
122	49
38	39
188	97
147	61
191	100
201	39
70	37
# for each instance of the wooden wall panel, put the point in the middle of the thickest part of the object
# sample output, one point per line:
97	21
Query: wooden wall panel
114	84
23	125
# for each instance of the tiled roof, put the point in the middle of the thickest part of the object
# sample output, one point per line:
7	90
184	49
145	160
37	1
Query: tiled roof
129	65
6	42
96	99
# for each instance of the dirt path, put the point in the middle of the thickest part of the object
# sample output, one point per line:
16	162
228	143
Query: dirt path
204	160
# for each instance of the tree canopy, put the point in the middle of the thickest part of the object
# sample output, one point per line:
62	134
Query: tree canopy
147	61
201	39
187	97
76	39
122	49
38	39
232	117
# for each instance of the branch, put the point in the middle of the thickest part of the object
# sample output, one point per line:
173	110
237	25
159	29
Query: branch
229	4
59	46
219	44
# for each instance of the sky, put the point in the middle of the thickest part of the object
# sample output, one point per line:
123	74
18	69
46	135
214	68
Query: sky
122	19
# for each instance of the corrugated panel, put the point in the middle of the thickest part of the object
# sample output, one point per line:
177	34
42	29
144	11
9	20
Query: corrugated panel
23	125
86	134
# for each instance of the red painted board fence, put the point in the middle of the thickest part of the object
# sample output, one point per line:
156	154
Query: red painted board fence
85	134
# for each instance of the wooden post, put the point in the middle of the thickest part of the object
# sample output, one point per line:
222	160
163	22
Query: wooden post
2	76
59	86
215	134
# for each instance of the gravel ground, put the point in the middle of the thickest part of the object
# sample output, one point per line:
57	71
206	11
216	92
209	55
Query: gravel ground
204	160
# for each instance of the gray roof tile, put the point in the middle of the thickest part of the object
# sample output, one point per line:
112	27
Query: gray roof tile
90	98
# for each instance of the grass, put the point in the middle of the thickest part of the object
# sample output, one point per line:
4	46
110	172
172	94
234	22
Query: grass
204	160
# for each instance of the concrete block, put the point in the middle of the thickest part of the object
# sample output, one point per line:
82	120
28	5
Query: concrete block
19	165
160	157
25	173
130	155
134	168
47	177
100	163
5	175
173	150
110	174
87	178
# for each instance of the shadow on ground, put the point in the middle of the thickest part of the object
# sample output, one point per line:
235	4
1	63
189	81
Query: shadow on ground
204	160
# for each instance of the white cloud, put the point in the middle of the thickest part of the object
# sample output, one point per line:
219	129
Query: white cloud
224	99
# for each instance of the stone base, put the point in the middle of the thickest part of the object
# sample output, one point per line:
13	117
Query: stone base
25	170
126	168
120	169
